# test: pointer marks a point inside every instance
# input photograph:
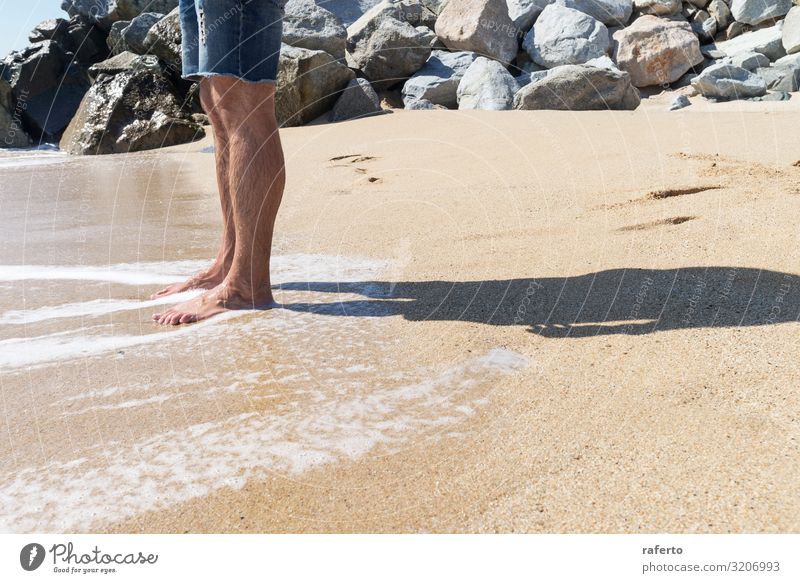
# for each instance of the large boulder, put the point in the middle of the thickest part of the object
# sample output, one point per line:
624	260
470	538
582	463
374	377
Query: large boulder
609	12
85	40
658	7
309	83
106	12
758	11
164	39
126	61
656	51
523	13
134	34
130	111
481	26
790	35
726	81
579	87
12	134
487	84
385	49
310	26
720	12
47	87
358	99
438	80
565	36
54	29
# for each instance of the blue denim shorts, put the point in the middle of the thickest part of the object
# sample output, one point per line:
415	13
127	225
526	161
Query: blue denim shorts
236	38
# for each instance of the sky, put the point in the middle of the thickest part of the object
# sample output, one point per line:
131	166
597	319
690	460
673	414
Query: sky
19	17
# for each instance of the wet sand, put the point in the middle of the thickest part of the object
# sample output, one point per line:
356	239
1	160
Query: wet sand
490	322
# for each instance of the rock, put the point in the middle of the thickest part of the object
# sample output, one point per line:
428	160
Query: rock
358	99
564	36
749	61
106	12
133	110
783	75
310	26
35	68
487	84
12	134
767	41
164	39
720	12
725	81
679	102
758	11
579	87
774	96
523	13
348	11
386	50
704	26
658	7
609	12
48	113
126	61
604	62
115	42
656	51
86	40
437	81
480	26
790	35
423	104
134	34
309	83
54	29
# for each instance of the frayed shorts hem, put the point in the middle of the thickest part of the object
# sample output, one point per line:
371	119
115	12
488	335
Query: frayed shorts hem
200	76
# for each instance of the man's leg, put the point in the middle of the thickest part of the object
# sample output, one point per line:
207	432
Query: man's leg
257	177
214	275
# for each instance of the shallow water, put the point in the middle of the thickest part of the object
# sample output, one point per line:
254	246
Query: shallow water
107	415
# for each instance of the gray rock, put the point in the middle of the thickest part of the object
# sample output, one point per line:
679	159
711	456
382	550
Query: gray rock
480	26
679	102
725	81
487	84
790	35
578	87
564	36
758	11
704	26
767	41
604	62
134	34
658	7
437	81
386	50
523	13
348	11
124	62
749	61
310	26
164	39
774	96
720	12
431	37
309	83
115	42
783	75
358	99
54	29
12	134
133	110
422	104
609	12
656	51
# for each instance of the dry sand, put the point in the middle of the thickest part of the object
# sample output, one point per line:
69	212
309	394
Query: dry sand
550	322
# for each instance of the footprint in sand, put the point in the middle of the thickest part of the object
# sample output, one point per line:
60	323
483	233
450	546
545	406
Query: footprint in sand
350	161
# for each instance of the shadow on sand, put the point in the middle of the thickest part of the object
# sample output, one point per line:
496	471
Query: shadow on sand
616	301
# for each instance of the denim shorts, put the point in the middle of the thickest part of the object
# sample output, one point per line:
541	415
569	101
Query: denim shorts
236	38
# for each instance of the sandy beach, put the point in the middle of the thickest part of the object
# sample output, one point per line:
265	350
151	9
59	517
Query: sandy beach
490	322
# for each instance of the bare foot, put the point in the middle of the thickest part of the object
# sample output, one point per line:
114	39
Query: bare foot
208	279
220	299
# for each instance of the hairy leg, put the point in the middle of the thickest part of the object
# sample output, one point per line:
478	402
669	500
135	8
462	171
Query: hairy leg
257	177
214	275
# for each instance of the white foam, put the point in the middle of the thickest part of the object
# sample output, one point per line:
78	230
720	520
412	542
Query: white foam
123	273
176	466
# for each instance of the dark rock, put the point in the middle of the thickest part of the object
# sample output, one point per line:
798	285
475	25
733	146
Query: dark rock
54	29
86	40
12	134
133	110
48	113
358	99
104	13
35	68
115	42
124	62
